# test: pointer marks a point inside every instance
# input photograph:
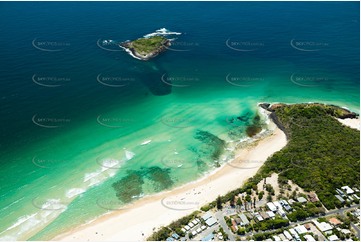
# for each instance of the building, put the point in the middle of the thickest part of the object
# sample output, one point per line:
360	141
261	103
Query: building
301	200
309	238
323	227
340	198
313	197
175	236
264	215
206	216
291	201
271	214
271	207
243	219
300	229
334	221
294	234
340	192
211	221
287	235
277	238
208	237
348	190
258	217
278	205
238	220
286	206
333	238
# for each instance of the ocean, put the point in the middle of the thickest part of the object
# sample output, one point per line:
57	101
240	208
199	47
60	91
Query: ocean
87	129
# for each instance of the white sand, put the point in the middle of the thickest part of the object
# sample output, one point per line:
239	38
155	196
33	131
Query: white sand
351	122
150	212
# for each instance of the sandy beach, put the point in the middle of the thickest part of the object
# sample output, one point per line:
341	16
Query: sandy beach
138	221
351	122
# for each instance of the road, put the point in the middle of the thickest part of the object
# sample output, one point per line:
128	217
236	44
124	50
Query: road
219	216
223	224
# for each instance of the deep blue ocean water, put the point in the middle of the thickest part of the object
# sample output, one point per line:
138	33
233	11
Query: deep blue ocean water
315	44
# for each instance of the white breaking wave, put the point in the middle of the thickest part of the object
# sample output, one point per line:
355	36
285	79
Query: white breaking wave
130	52
129	155
162	31
24	224
74	192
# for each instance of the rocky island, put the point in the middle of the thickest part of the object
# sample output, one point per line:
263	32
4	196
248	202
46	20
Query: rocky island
146	48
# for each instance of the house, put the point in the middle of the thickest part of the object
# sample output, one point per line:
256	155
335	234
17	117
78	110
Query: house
206	216
277	238
211	221
348	190
291	201
294	234
195	222
208	237
340	198
169	239
238	220
194	233
307	226
323	227
285	204
334	221
203	227
190	224
313	197
333	238
288	235
309	238
244	219
175	236
301	199
271	214
300	229
355	196
340	192
187	227
278	205
258	217
271	207
199	230
264	215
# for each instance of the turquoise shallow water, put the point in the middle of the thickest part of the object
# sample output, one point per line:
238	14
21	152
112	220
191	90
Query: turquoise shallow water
73	152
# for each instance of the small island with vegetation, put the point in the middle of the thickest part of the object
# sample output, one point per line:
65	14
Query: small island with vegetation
146	48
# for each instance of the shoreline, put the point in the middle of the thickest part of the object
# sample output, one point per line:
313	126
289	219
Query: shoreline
141	217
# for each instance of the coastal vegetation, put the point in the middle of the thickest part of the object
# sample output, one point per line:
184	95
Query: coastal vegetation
321	155
146	48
